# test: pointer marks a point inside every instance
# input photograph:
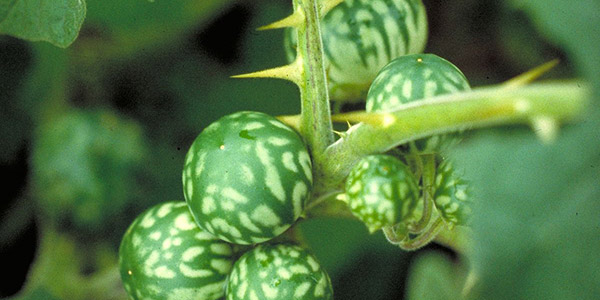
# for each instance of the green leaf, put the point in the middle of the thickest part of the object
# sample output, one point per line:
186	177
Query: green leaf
433	277
535	220
57	22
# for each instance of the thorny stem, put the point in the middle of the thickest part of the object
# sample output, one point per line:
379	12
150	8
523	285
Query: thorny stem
558	101
315	121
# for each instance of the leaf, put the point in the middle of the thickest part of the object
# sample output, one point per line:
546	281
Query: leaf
536	222
57	22
433	277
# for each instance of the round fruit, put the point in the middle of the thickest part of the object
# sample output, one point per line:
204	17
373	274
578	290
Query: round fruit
247	178
451	195
164	255
84	168
283	272
415	77
381	191
360	37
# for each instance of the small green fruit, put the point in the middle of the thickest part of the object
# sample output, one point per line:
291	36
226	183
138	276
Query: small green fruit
247	178
381	191
165	255
282	272
361	36
451	195
415	77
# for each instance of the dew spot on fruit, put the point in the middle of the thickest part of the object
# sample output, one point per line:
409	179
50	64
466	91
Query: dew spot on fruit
222	147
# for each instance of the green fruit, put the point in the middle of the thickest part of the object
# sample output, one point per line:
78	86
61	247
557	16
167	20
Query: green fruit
164	255
415	77
247	178
451	195
381	191
361	36
85	165
282	272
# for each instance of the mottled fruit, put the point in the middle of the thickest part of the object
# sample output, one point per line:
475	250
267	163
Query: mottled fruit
247	178
282	272
165	255
381	191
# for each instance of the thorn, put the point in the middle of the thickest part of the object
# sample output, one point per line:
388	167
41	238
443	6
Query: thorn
291	120
327	5
342	197
293	20
340	134
289	72
531	75
546	128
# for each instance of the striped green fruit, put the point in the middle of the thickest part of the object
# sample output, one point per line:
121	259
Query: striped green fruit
451	195
282	272
247	178
165	255
381	191
415	77
361	36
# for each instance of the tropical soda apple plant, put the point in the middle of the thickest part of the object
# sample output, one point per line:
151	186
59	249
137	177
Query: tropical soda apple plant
249	178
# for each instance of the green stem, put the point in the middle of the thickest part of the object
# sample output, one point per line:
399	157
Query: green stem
315	121
559	101
428	190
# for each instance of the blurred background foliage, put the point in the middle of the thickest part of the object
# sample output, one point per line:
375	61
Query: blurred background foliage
95	133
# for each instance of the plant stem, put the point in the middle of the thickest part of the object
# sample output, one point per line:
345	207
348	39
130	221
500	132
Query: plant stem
557	101
428	163
315	121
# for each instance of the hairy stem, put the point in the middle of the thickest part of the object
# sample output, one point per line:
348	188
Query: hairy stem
315	121
497	105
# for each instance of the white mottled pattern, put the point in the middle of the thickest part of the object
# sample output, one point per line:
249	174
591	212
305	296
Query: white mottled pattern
266	216
272	179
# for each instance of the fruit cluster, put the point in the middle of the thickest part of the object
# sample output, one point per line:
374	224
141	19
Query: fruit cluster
248	177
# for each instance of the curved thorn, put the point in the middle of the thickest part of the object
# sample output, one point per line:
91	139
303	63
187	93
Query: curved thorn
531	75
293	20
